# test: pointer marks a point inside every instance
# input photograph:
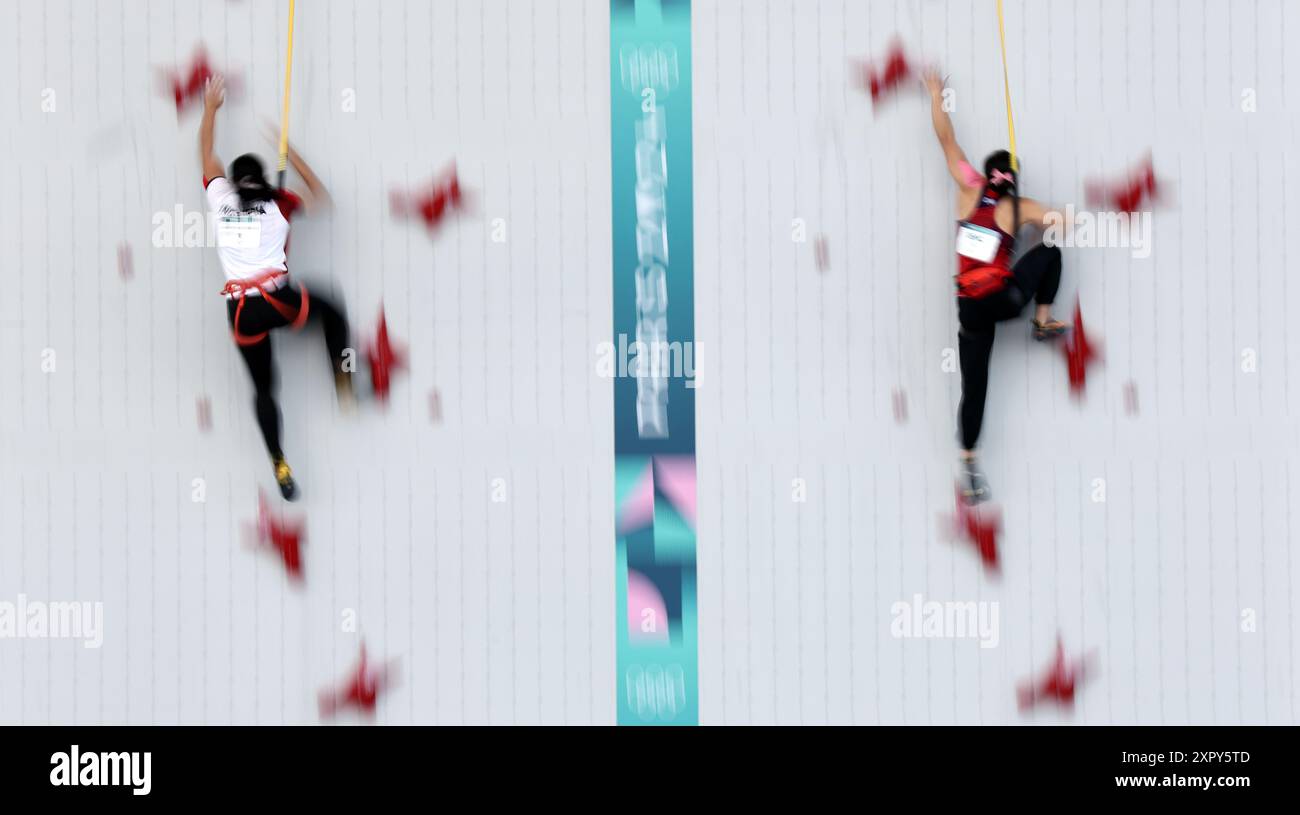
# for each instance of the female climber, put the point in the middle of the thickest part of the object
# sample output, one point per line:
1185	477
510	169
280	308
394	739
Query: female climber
252	241
990	288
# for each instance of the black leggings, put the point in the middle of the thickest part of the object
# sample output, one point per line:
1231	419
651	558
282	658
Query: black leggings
258	316
1037	277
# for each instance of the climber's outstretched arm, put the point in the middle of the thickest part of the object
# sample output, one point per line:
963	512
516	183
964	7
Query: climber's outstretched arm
952	151
213	95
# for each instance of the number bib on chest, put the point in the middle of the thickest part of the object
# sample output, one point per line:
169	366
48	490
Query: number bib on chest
239	231
977	242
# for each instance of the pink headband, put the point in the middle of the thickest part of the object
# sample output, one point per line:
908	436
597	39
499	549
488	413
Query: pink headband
998	175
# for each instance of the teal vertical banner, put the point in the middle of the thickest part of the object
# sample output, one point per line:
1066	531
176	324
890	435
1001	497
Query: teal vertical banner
652	362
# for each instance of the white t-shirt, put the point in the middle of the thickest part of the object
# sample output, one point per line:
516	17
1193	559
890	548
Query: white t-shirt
250	241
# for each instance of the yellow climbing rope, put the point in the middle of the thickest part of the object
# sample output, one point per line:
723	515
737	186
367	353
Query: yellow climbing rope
284	117
1006	88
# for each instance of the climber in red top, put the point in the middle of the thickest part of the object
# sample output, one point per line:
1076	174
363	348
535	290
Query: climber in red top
990	287
252	244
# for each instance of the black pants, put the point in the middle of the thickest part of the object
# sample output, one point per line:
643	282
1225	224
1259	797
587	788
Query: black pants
1037	277
258	316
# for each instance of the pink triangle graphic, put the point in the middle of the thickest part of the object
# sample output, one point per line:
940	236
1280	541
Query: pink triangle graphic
676	479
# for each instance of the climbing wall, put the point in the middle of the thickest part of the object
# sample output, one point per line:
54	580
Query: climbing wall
1148	524
464	538
463	532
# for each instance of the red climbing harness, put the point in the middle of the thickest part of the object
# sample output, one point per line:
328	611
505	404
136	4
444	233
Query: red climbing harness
241	287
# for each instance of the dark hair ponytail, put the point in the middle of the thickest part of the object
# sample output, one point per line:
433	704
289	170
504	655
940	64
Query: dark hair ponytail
999	163
250	182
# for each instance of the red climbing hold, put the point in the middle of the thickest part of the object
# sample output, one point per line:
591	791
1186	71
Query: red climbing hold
186	86
385	359
430	204
1079	352
895	70
190	87
285	539
359	691
1137	191
1058	685
979	525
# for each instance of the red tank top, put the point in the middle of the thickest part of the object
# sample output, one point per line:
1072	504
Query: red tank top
979	278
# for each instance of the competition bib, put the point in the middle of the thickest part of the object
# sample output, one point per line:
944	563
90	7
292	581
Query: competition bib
239	231
978	242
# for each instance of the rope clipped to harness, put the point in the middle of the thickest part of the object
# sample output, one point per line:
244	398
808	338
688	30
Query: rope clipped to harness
241	288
